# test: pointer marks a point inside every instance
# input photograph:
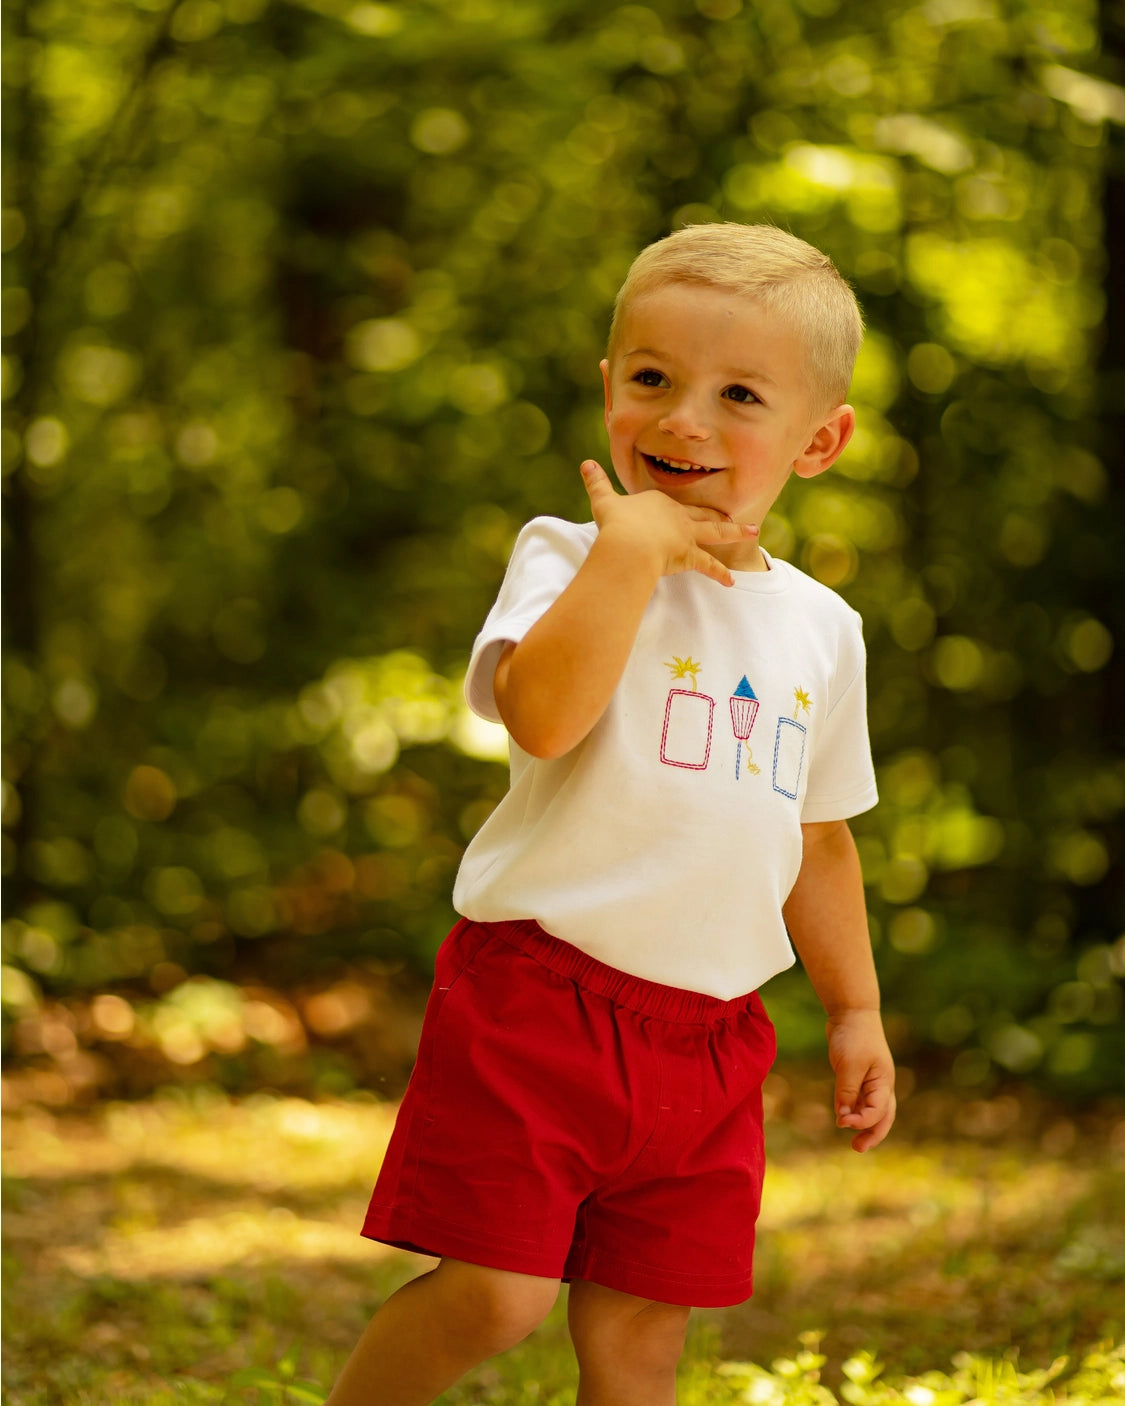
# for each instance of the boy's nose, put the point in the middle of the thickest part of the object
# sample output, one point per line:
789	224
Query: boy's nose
684	420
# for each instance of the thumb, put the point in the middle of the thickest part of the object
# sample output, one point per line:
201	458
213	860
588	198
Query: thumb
596	480
849	1089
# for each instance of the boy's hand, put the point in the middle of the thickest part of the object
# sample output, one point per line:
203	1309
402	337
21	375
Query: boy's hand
865	1076
672	534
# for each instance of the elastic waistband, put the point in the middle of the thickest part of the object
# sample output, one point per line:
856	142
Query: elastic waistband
634	992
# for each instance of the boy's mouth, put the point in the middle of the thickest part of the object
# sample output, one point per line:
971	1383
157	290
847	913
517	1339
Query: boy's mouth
680	468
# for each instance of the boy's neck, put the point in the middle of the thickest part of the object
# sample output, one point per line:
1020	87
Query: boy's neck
741	556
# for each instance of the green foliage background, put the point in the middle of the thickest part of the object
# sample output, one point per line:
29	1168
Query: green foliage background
304	303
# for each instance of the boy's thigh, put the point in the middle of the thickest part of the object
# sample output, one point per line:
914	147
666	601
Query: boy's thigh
520	1056
678	1226
519	1108
499	1296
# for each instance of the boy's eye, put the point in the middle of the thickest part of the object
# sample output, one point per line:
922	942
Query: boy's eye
742	394
648	377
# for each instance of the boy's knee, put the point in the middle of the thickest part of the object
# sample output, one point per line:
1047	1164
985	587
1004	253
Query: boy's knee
496	1307
619	1328
657	1335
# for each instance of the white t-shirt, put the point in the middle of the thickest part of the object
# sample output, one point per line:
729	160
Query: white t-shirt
666	842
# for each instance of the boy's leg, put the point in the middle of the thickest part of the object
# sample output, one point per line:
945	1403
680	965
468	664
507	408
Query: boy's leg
435	1328
627	1347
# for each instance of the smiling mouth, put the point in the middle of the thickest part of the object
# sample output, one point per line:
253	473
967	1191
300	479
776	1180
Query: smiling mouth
682	467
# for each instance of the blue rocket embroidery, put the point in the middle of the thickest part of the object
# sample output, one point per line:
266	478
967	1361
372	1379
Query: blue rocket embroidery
743	711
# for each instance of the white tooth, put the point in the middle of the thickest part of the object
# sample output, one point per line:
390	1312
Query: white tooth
684	464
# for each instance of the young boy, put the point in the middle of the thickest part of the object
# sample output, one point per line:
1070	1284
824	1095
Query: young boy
688	738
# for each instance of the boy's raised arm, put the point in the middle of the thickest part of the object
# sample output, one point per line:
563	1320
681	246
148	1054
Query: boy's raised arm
553	686
827	919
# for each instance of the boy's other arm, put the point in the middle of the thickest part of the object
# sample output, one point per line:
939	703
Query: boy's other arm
827	919
554	685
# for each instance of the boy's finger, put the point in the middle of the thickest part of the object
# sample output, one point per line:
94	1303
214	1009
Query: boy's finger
862	1117
848	1099
708	565
596	481
700	514
724	530
872	1137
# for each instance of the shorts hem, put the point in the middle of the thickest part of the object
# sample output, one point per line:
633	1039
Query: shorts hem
442	1241
660	1285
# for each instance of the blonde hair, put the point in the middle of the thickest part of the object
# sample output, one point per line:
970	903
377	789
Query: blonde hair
782	273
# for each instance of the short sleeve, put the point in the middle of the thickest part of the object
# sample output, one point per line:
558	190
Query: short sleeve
841	773
544	561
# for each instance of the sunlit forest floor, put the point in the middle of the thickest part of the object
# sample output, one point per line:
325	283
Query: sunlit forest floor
155	1250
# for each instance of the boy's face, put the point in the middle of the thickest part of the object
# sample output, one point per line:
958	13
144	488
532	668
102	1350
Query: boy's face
707	400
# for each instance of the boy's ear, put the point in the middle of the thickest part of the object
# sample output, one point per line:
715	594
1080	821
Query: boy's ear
828	442
608	391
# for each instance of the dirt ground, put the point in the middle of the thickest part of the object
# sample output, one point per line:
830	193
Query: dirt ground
983	1224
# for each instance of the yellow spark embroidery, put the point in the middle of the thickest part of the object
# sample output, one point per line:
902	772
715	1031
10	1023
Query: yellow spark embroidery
803	701
684	668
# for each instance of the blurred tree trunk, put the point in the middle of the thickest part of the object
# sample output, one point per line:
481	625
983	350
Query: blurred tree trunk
21	564
47	245
1111	381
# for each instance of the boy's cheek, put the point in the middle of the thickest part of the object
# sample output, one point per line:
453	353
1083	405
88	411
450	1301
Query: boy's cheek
623	465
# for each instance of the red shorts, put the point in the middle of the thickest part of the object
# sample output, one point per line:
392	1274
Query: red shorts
567	1120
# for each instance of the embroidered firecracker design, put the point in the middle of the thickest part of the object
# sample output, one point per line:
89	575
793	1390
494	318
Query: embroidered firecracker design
684	668
689	719
743	711
789	747
788	757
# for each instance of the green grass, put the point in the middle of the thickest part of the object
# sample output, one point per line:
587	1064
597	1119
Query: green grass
195	1248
